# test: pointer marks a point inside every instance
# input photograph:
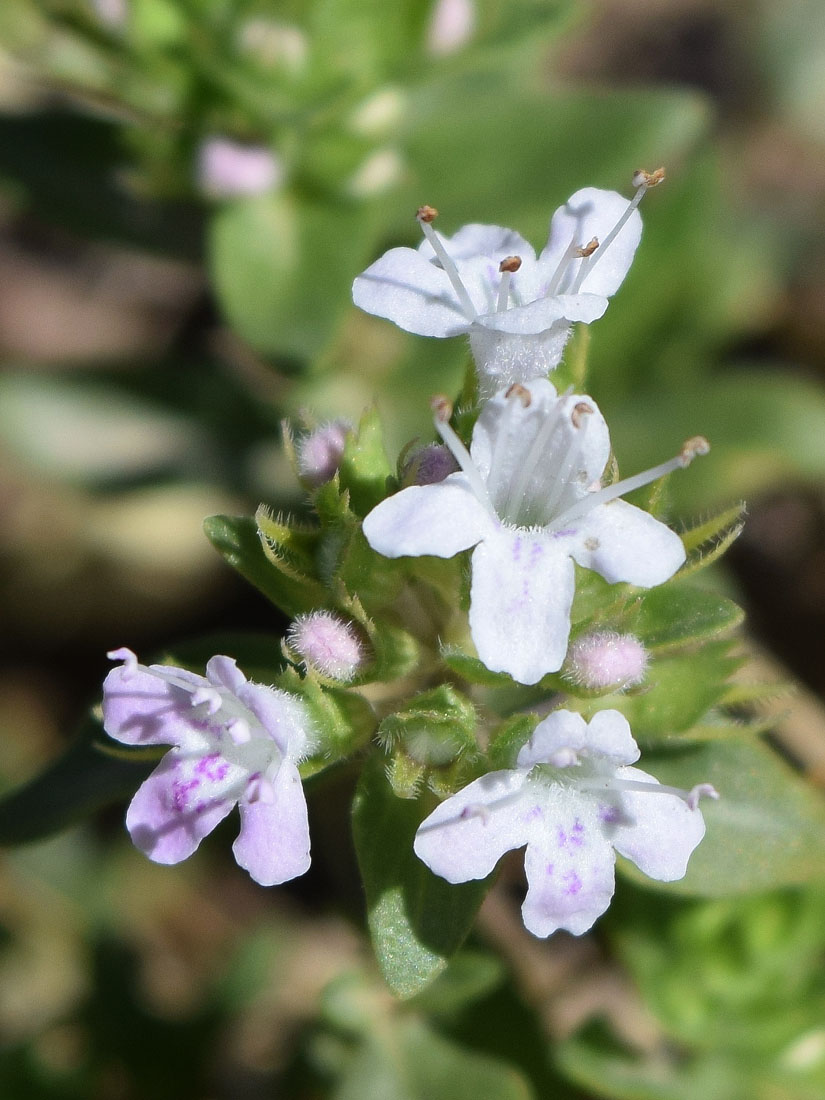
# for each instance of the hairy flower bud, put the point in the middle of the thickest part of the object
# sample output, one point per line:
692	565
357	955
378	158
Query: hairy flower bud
319	454
605	659
328	644
428	465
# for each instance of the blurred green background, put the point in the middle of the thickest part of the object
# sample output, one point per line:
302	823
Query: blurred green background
187	188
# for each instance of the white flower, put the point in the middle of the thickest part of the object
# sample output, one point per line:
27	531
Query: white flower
528	497
572	800
488	282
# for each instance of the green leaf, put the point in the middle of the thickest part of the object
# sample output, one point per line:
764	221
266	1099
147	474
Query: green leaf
417	921
766	830
365	468
410	1061
675	615
471	669
237	541
87	777
283	269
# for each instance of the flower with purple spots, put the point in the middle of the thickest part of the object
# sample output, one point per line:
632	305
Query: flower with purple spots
529	498
233	743
487	282
574	801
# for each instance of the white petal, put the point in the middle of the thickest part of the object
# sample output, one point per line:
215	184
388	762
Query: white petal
569	868
564	729
608	735
520	599
590	213
623	543
538	316
466	835
440	519
406	288
482	240
663	833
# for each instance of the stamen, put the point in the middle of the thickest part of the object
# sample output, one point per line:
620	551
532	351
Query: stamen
239	731
208	697
563	264
442	410
507	267
425	215
130	661
691	797
642	181
562	477
517	397
588	249
697	445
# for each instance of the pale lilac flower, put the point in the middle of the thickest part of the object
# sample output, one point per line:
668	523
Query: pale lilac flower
451	26
487	282
319	453
234	742
227	169
327	643
529	499
573	801
604	659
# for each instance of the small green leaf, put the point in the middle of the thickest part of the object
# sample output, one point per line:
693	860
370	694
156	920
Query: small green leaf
674	615
236	539
365	468
471	669
417	921
766	830
87	777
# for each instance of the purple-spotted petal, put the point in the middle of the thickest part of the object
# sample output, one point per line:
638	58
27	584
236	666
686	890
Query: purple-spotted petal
406	288
623	543
466	836
440	519
590	213
658	832
520	599
564	729
273	844
144	709
570	871
182	800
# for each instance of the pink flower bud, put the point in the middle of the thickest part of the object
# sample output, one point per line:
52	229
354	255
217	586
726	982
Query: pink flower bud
328	644
227	169
319	453
606	659
451	26
428	465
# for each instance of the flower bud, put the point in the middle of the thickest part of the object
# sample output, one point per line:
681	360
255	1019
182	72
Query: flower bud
328	644
227	169
319	454
606	659
428	465
451	26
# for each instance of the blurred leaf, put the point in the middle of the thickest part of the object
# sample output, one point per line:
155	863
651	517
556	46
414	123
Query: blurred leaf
78	783
283	269
417	921
766	830
409	1061
236	540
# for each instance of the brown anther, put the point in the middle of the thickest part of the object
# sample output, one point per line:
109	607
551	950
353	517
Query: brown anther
426	213
641	178
442	407
693	447
521	392
510	263
588	249
580	410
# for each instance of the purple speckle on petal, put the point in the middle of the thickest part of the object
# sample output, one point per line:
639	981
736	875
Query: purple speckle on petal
181	790
548	870
516	549
213	767
535	813
565	533
573	883
536	551
610	815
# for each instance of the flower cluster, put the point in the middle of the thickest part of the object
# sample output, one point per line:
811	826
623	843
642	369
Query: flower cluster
530	492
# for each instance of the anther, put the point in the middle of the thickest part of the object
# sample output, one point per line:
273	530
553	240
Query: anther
641	178
580	410
510	263
701	790
692	448
442	407
521	392
588	249
426	214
